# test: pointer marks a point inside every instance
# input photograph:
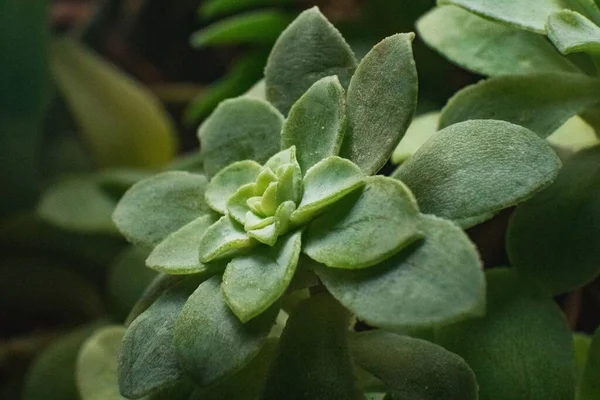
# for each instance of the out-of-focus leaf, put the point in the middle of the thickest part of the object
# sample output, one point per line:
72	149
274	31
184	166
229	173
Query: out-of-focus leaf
574	135
582	344
214	8
419	131
589	385
572	32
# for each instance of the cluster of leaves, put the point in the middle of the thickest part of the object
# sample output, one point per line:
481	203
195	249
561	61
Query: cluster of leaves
288	236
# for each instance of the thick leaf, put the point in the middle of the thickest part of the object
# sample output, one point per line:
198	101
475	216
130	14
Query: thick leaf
382	97
223	239
487	47
239	129
213	8
255	27
574	135
156	207
307	50
414	368
179	253
210	340
148	360
589	385
521	349
122	121
313	361
316	122
529	15
153	291
325	183
582	343
540	102
365	227
419	131
253	282
430	284
469	171
78	205
572	32
225	183
553	237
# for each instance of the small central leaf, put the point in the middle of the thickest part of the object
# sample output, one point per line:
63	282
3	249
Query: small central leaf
223	239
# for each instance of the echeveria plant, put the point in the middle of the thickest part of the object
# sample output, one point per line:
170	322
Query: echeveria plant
291	221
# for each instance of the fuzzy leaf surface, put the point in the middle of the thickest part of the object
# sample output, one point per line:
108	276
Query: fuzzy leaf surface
227	181
571	32
222	239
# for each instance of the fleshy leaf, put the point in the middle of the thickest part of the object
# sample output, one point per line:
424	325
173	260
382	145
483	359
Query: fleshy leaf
153	291
582	343
572	32
227	181
154	208
381	100
487	47
313	361
325	183
574	135
215	8
419	131
223	239
589	384
413	368
521	349
253	282
365	227
430	284
179	253
316	122
237	205
210	340
239	129
309	49
553	237
266	235
540	102
469	171
148	360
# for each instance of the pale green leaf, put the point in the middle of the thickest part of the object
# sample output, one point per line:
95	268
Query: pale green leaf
239	129
253	282
326	182
258	91
210	340
419	131
436	282
365	227
179	253
309	49
313	361
582	343
487	47
589	385
574	135
571	32
521	349
553	237
541	102
382	97
227	181
414	368
469	171
237	205
155	207
316	122
223	239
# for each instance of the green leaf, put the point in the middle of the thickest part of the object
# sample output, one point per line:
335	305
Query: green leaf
316	122
419	131
155	207
582	343
148	360
382	97
227	181
210	340
179	253
552	238
437	282
521	349
313	361
414	368
469	171
589	385
223	239
214	8
239	129
528	15
153	291
309	49
365	227
326	182
487	47
124	124
253	282
256	27
540	102
574	135
79	205
571	32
